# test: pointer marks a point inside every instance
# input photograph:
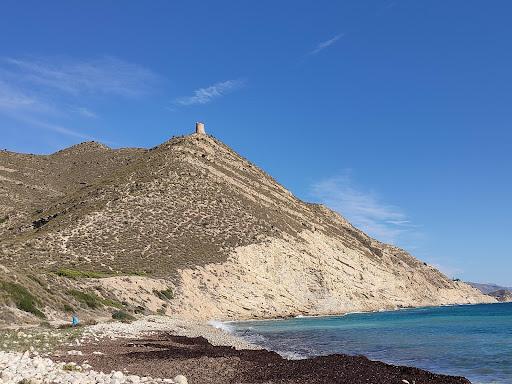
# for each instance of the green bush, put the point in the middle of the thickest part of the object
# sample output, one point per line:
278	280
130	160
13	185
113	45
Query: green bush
122	316
138	273
89	299
4	219
22	298
166	294
112	303
68	308
71	367
92	300
76	274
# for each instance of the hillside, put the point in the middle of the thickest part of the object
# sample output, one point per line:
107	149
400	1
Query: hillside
502	295
190	227
488	287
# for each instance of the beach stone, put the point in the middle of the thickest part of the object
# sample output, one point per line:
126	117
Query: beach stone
180	379
133	379
16	366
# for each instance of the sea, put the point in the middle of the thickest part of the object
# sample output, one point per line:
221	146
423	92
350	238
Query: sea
474	341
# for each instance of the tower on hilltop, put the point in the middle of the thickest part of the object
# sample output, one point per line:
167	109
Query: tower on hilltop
200	128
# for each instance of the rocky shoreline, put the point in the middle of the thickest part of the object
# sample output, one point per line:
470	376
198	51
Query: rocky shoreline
16	367
159	349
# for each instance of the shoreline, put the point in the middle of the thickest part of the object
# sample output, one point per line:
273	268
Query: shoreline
159	348
342	314
217	357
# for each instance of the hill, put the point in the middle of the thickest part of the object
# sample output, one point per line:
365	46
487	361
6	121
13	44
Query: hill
191	228
502	295
488	287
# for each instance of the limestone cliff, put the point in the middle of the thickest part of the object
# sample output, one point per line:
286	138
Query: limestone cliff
228	239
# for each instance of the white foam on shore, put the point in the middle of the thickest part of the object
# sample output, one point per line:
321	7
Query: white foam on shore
222	326
288	355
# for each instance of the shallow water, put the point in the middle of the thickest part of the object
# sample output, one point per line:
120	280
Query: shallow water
474	341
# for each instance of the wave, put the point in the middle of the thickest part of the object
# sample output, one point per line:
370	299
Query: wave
289	355
222	326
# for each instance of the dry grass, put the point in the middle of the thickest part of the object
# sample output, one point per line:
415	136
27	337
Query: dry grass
76	274
41	339
22	298
187	203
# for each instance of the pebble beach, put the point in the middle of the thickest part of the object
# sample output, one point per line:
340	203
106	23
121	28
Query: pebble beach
159	349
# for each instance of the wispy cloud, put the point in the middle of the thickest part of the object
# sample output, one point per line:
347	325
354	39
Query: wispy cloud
325	44
53	127
208	94
85	112
15	99
38	91
363	209
106	75
29	110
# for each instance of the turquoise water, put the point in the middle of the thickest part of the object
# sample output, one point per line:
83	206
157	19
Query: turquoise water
474	341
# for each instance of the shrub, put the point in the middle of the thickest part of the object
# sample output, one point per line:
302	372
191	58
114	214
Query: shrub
112	303
166	294
71	367
76	274
139	273
89	299
92	300
122	316
68	308
4	219
140	309
22	298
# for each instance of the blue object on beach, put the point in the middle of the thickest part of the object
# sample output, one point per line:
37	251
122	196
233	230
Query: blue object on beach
74	320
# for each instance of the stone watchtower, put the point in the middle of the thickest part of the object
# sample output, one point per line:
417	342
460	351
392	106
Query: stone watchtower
200	128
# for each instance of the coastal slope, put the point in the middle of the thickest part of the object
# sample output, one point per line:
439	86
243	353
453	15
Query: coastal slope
193	218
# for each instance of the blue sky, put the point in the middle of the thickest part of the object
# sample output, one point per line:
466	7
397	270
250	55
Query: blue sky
395	113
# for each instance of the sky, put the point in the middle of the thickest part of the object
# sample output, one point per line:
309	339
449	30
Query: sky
397	114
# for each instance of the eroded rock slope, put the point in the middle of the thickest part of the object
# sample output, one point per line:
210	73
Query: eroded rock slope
227	237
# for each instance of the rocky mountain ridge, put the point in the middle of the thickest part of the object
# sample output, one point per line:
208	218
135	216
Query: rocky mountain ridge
487	287
194	218
502	295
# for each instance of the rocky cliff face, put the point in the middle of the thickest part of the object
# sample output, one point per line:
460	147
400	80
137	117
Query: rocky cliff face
502	295
228	239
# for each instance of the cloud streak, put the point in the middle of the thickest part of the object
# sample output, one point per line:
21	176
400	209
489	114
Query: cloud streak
37	91
325	44
53	127
363	209
85	112
29	110
209	94
106	75
15	99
